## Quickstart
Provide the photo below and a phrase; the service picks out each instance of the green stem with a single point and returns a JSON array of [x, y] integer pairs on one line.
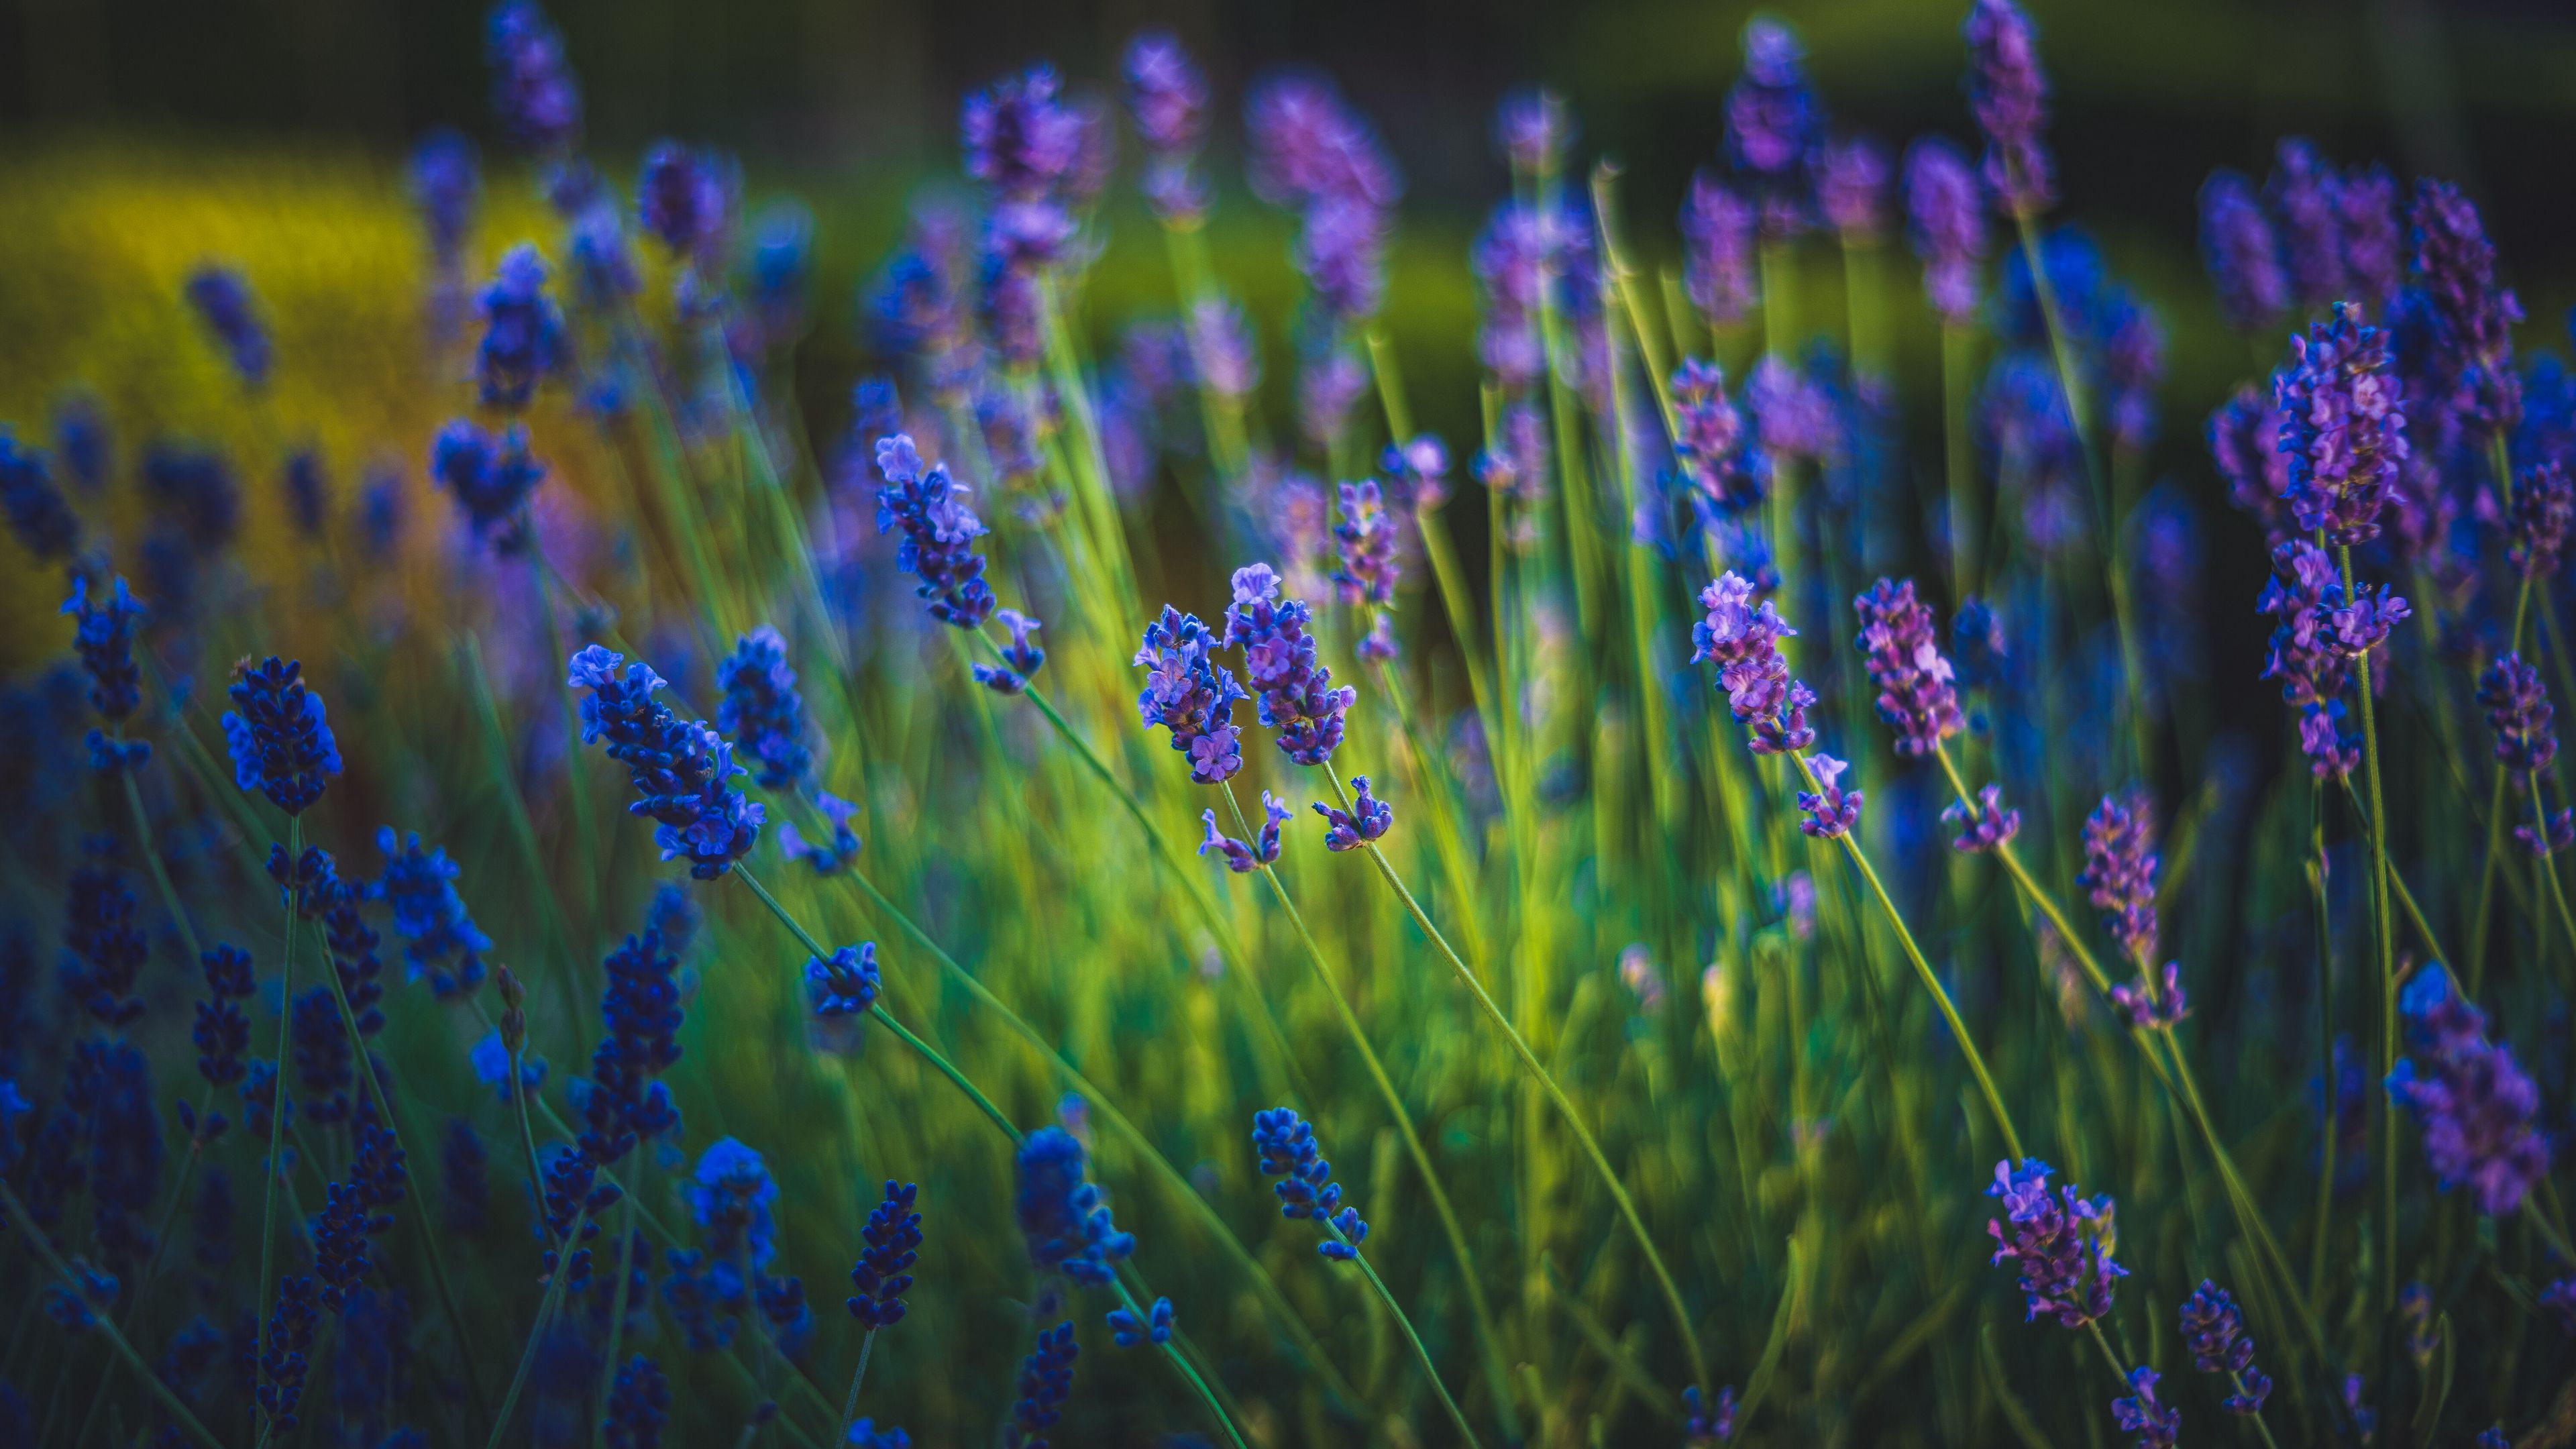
[[616, 1321], [2387, 970], [1413, 1147], [1556, 1094], [545, 1316], [1171, 1351], [1430, 1370], [152, 857], [850, 1406], [177, 1407], [277, 1106]]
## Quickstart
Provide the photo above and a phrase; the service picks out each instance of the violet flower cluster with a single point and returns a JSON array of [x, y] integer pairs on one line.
[[2318, 634], [2060, 1242], [681, 771], [492, 476], [2009, 98], [2343, 426], [1946, 222], [280, 743], [1831, 811], [1306, 1188], [1368, 818], [523, 332], [2241, 253], [1743, 639], [1190, 695], [2474, 1105], [1021, 657], [1917, 693], [1712, 448], [2213, 1332], [1061, 1217], [1168, 97], [1988, 826], [2119, 874], [1717, 225], [2519, 713], [1245, 857], [939, 532], [761, 712]]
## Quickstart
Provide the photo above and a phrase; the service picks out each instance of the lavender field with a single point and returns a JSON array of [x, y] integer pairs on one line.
[[1129, 788]]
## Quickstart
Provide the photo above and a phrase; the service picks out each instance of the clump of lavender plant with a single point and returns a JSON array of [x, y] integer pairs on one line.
[[2473, 1103]]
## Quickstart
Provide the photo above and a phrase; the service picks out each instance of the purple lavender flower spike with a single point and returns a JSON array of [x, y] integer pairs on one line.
[[2316, 636], [1293, 694], [1711, 447], [1772, 118], [1916, 691], [523, 337], [2213, 1331], [2150, 1007], [2245, 442], [1240, 857], [1364, 540], [1792, 414], [1417, 473], [1190, 695], [2544, 508], [1710, 1423], [1987, 826], [682, 772], [844, 983], [1831, 810], [2119, 872], [1745, 643], [2374, 244], [1367, 819], [223, 302], [1168, 96], [2009, 97], [1020, 658], [823, 857], [1021, 141], [492, 476], [1851, 188], [684, 198], [2061, 1243], [939, 533], [1307, 144], [2518, 710], [533, 90], [1222, 346], [2472, 317], [1327, 390], [2560, 1298], [1717, 251], [2157, 1425], [1946, 221], [2243, 257], [1533, 130], [2305, 195], [2343, 426], [761, 712], [2473, 1103], [2561, 836]]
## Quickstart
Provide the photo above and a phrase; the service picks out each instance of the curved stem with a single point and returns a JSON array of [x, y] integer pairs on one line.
[[537, 1334], [1413, 1147], [1556, 1095], [1172, 1352], [1430, 1370]]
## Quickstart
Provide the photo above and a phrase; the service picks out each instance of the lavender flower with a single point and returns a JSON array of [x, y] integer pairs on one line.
[[223, 302], [2544, 508], [1306, 144], [762, 713], [103, 635], [2305, 194], [2060, 1242], [445, 183], [843, 983], [2146, 1006], [1134, 1332], [80, 439], [2242, 255], [1061, 1217], [1831, 811], [2157, 1425], [2119, 874], [106, 947], [1728, 476], [1987, 826], [1743, 638], [1020, 658], [1021, 141], [2343, 426], [2213, 1331], [2315, 639], [523, 337], [1851, 188], [1046, 1381], [1306, 1188], [285, 1360], [1772, 118], [1532, 130], [1946, 221], [1713, 1423], [1166, 93], [1916, 692], [2009, 97], [684, 199], [420, 888], [492, 477], [892, 1234], [1190, 695], [2472, 318], [533, 90], [44, 523], [1364, 539], [939, 533], [1366, 820], [2473, 1104], [222, 1034], [1244, 858], [2518, 710], [1717, 251], [623, 1103], [2374, 245], [280, 743], [2245, 442], [679, 770]]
